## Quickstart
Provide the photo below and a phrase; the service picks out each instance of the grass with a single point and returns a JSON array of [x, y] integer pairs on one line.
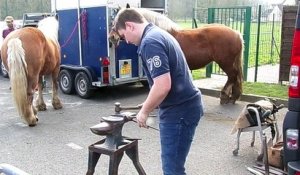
[[265, 89], [198, 74]]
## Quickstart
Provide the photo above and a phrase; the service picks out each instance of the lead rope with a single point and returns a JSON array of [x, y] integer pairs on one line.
[[84, 24], [73, 31]]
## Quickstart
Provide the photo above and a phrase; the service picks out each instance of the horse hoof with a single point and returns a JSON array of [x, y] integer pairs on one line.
[[223, 101], [33, 123], [41, 107], [57, 106], [232, 102]]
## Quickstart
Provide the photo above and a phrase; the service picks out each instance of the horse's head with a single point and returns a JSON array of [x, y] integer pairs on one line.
[[114, 37], [156, 18]]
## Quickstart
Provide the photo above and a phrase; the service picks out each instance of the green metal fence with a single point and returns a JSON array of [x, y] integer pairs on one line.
[[264, 38], [261, 29], [237, 18]]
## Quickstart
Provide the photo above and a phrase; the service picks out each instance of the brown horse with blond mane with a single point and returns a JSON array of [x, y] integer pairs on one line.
[[28, 54], [203, 45]]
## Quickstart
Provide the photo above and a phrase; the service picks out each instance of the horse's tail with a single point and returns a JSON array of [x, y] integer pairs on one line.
[[17, 73], [238, 64]]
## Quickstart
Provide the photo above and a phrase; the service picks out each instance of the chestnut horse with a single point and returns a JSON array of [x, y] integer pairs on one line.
[[201, 46], [28, 54]]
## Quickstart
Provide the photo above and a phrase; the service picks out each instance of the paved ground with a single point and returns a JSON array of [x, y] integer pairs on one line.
[[267, 74], [58, 144]]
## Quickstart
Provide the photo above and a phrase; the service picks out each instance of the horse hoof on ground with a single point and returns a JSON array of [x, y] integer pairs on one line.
[[34, 122], [224, 100], [232, 101], [56, 105], [41, 107]]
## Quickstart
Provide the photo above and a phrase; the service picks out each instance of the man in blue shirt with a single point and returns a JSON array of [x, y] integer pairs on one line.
[[172, 89]]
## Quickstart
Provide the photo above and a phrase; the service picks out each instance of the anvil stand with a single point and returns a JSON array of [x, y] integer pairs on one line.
[[114, 145]]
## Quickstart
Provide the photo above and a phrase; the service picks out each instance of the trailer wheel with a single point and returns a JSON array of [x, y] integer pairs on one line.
[[4, 71], [83, 85], [66, 81]]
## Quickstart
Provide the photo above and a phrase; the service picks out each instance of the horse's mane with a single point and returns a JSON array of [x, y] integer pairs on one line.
[[49, 27], [158, 19]]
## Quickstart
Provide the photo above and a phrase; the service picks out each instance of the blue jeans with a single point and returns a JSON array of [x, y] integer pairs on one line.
[[176, 139]]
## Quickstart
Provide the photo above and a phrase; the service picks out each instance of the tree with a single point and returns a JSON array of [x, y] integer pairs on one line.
[[16, 8]]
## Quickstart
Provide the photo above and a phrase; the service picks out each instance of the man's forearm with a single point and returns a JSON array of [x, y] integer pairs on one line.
[[158, 92]]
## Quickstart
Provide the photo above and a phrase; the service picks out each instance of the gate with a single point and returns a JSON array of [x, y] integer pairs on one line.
[[238, 18], [261, 29]]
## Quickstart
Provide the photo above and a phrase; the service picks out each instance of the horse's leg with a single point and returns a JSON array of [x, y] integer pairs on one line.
[[34, 110], [40, 104], [233, 89], [237, 88], [237, 75], [30, 114], [55, 100], [225, 93], [236, 91]]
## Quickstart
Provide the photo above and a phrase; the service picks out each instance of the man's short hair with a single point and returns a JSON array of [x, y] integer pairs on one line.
[[127, 15], [9, 19]]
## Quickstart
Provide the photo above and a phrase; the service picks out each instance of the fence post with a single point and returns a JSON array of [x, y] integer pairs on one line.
[[194, 16], [273, 40], [210, 19], [246, 37], [257, 43]]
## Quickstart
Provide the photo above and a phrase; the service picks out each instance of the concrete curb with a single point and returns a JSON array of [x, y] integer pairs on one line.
[[244, 97]]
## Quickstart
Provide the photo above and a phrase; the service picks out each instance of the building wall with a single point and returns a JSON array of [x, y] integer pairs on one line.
[[287, 33]]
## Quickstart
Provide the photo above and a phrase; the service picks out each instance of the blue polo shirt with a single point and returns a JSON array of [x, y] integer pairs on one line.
[[160, 54]]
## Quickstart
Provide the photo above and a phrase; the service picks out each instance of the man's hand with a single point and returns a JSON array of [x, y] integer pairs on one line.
[[141, 119]]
